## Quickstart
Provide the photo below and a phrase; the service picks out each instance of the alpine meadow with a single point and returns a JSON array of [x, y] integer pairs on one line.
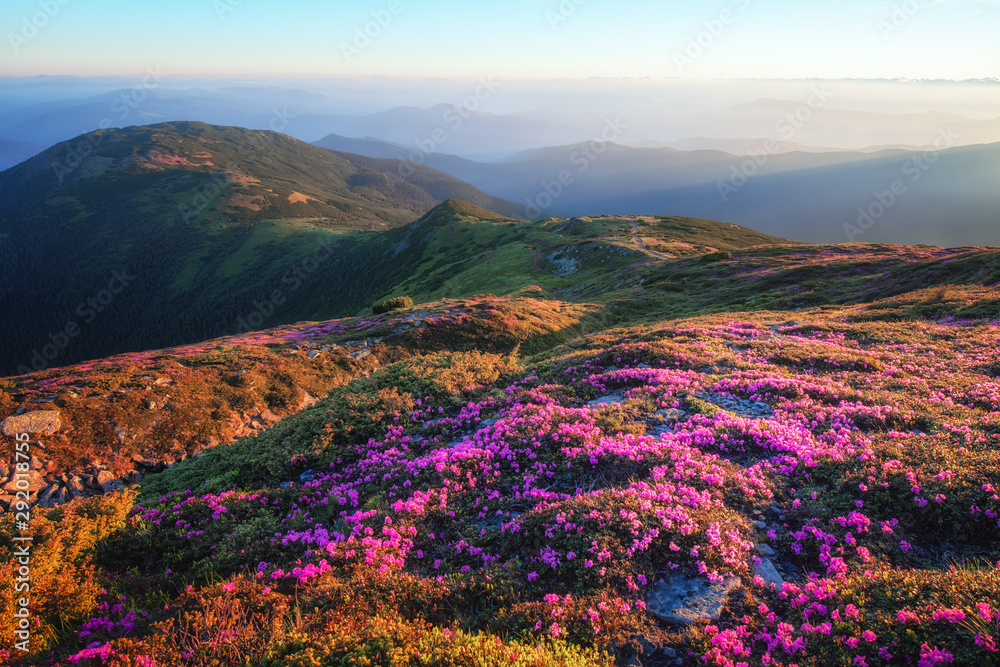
[[558, 333]]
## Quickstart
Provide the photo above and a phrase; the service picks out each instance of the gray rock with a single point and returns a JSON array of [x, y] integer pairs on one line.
[[36, 482], [113, 485], [671, 414], [766, 571], [45, 422], [75, 486], [61, 497], [49, 492], [144, 461], [562, 266], [657, 431], [684, 601], [669, 652], [633, 662], [313, 354], [612, 399], [108, 482], [765, 550], [738, 406]]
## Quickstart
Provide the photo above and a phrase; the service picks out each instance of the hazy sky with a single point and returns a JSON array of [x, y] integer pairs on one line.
[[513, 38]]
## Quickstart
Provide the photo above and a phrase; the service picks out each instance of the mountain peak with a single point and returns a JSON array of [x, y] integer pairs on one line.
[[462, 207], [452, 209]]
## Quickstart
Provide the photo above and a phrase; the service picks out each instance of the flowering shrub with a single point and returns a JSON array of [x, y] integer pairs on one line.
[[64, 585]]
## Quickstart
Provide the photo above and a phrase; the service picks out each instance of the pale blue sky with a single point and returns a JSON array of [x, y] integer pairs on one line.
[[511, 39]]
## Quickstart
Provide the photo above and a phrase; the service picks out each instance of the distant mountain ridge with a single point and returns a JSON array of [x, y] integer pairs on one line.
[[949, 196]]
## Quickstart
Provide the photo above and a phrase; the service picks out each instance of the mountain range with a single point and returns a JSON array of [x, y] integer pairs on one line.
[[947, 195]]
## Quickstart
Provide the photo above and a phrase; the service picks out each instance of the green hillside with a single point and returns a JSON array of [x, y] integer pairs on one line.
[[458, 250], [152, 236]]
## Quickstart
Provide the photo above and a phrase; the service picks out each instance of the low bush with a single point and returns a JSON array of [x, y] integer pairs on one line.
[[394, 303]]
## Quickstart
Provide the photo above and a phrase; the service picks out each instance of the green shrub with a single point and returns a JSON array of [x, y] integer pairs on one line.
[[394, 303], [392, 640], [717, 256]]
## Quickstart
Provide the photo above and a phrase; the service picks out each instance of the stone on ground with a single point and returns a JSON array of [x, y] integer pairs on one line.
[[684, 601], [45, 422]]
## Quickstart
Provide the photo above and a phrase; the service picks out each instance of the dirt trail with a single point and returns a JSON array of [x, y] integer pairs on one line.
[[642, 246]]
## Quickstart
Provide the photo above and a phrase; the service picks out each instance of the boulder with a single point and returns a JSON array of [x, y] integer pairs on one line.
[[48, 496], [36, 482], [45, 422], [612, 399], [738, 406], [75, 486], [683, 600], [144, 461], [765, 549], [108, 482], [113, 485], [765, 570]]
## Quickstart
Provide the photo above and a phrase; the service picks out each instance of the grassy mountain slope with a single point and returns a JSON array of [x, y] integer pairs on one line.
[[456, 250], [513, 479], [151, 236]]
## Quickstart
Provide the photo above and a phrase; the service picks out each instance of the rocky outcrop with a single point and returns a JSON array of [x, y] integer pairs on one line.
[[48, 486], [41, 422]]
